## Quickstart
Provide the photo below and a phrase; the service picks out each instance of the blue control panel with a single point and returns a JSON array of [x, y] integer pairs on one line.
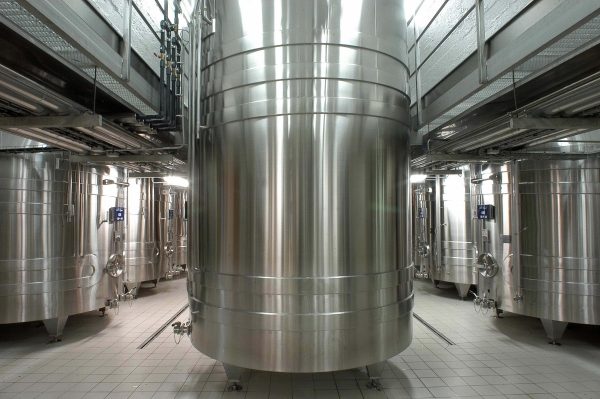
[[485, 212], [421, 213], [117, 214]]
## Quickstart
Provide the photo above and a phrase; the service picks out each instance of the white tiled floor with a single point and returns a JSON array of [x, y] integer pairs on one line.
[[507, 358]]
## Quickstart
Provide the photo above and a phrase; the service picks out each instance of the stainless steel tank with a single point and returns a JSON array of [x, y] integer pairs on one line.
[[165, 224], [141, 247], [453, 247], [423, 216], [554, 275], [62, 255], [303, 192]]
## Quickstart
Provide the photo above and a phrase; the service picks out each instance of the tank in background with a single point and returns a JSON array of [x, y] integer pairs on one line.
[[180, 231], [63, 255], [454, 254], [167, 220], [550, 261], [424, 224], [141, 247]]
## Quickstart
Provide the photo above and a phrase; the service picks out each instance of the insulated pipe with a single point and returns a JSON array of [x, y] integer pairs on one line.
[[110, 139], [193, 122], [50, 138], [172, 100], [164, 28], [129, 141], [31, 98], [204, 16], [555, 136], [565, 102]]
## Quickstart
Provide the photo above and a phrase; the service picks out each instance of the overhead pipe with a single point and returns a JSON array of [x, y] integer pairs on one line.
[[50, 138], [563, 100], [560, 134], [164, 28], [29, 95], [173, 72], [204, 11]]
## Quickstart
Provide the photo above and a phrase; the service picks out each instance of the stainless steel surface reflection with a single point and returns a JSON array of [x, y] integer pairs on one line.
[[304, 257], [58, 238], [141, 249], [558, 274], [454, 251]]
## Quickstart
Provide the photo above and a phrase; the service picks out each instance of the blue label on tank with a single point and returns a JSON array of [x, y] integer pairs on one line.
[[485, 212], [170, 214], [421, 213], [119, 214]]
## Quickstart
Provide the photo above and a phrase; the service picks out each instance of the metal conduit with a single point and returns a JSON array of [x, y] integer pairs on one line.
[[50, 139], [567, 100], [97, 135], [31, 96]]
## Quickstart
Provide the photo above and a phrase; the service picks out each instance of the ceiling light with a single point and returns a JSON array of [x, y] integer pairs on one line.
[[176, 181], [418, 178]]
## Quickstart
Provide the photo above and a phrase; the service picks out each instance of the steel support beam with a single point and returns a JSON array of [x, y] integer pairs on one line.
[[555, 123], [50, 121], [539, 26], [481, 48], [121, 158], [66, 22]]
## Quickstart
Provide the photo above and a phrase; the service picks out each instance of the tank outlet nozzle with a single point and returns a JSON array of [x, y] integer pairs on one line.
[[181, 329], [128, 296], [113, 304], [483, 304]]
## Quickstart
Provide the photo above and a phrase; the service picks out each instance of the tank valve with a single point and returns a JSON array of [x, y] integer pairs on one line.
[[169, 275], [483, 304], [180, 330], [113, 304], [422, 274], [127, 296]]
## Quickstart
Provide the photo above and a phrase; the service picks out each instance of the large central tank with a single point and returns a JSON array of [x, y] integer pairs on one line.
[[302, 179]]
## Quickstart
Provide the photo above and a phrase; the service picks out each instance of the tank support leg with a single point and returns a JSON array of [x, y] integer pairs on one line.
[[55, 327], [136, 291], [234, 375], [103, 310], [463, 289], [374, 372], [554, 330], [155, 283]]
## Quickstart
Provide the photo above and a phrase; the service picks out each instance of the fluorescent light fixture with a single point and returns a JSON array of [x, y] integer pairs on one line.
[[418, 178], [176, 181], [454, 177]]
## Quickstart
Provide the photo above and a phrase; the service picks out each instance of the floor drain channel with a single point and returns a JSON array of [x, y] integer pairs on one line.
[[436, 332], [163, 327]]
